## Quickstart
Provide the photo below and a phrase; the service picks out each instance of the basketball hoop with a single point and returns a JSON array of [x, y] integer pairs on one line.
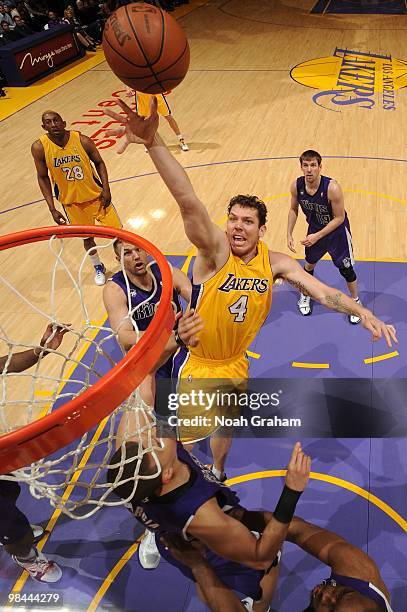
[[41, 437]]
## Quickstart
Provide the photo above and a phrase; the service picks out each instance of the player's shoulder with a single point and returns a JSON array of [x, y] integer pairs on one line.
[[333, 186], [280, 263], [37, 146]]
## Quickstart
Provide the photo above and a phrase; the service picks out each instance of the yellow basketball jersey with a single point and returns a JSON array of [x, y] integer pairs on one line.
[[233, 305], [71, 170], [143, 104]]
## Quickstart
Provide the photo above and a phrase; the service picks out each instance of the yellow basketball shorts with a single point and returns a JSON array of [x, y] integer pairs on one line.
[[143, 105], [208, 395], [92, 212]]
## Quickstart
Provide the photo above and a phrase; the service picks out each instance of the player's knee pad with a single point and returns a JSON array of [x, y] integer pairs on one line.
[[348, 274]]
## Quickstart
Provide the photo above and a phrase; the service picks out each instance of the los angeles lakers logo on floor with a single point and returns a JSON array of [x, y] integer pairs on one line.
[[353, 78]]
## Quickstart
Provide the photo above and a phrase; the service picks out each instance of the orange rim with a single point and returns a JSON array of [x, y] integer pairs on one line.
[[67, 423]]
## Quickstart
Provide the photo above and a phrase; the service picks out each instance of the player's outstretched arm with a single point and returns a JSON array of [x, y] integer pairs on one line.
[[37, 151], [50, 341], [230, 538], [292, 217], [330, 548], [199, 228], [218, 597], [289, 269]]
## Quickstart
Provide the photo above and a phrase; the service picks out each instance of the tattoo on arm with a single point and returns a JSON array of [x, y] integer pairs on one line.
[[335, 302], [298, 285]]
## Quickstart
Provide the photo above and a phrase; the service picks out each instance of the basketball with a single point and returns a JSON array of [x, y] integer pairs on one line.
[[146, 48]]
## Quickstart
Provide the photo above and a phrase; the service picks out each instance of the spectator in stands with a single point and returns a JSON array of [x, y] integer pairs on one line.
[[34, 16], [21, 27], [90, 17], [8, 35], [83, 37], [6, 16], [54, 21]]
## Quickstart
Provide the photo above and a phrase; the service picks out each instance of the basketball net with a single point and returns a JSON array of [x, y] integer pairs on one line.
[[73, 478]]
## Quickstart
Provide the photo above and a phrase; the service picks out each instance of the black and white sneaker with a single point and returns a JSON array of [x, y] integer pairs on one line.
[[304, 305]]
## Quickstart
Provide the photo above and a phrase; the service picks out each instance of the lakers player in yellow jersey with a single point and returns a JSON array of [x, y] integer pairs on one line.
[[143, 102], [233, 272], [70, 159]]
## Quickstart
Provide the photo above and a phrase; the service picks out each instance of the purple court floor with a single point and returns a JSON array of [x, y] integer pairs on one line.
[[98, 556]]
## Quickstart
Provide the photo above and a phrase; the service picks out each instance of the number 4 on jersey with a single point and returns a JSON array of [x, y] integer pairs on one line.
[[239, 308]]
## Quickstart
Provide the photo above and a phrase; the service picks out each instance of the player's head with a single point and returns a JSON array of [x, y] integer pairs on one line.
[[311, 164], [247, 216], [135, 259], [165, 453], [53, 123], [326, 597]]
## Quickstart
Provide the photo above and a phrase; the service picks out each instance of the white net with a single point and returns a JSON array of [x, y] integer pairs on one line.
[[62, 294]]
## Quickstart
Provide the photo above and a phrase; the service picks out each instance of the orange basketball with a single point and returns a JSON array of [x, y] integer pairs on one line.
[[146, 48]]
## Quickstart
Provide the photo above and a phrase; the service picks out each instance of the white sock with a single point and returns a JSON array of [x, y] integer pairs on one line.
[[216, 472], [95, 260], [357, 300], [180, 137]]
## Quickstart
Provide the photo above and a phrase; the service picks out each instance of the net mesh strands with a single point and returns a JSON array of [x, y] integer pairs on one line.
[[74, 477]]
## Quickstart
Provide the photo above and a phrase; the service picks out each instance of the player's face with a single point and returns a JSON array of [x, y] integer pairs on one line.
[[134, 259], [243, 230], [326, 597], [54, 124], [311, 170], [165, 447]]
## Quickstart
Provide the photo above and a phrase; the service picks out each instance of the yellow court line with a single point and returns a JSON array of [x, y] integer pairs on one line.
[[340, 482], [381, 357], [112, 575], [254, 355], [42, 393], [299, 364]]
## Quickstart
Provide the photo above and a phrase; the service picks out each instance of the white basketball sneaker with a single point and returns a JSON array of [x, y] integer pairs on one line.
[[183, 145], [148, 554], [355, 319], [100, 275], [304, 305], [40, 568]]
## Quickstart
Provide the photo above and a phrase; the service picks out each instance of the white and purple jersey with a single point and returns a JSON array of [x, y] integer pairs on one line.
[[143, 305], [174, 511], [364, 588]]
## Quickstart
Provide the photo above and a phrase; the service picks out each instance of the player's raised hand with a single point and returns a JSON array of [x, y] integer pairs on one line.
[[190, 324], [298, 469], [134, 127], [379, 329]]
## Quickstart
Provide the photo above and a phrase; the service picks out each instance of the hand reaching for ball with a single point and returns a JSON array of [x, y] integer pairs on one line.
[[135, 128]]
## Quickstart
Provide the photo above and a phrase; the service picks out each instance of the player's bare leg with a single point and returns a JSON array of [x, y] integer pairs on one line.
[[175, 128], [220, 443]]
